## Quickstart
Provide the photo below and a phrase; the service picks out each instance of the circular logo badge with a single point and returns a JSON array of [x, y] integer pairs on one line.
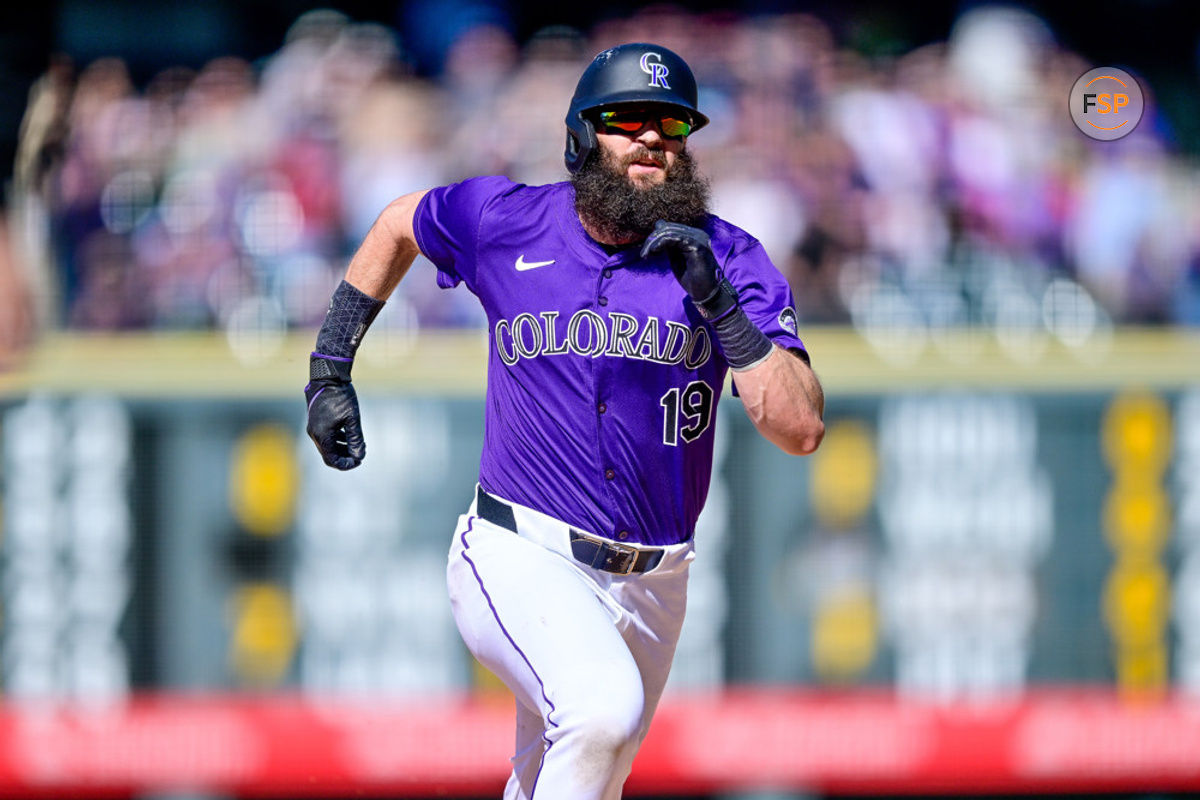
[[1106, 103]]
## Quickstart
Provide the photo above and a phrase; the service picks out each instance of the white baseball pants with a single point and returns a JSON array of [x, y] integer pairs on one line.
[[585, 652]]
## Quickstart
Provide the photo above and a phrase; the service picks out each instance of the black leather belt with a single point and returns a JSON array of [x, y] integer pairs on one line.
[[597, 553]]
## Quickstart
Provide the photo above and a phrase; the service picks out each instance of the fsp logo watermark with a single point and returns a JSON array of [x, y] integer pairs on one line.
[[1106, 103], [657, 71]]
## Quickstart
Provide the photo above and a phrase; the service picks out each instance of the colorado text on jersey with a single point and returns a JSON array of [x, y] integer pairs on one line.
[[587, 333]]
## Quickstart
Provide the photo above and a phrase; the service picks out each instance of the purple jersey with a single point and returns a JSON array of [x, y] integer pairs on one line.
[[603, 379]]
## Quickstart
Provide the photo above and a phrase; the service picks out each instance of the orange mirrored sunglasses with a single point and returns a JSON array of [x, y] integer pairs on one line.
[[633, 120]]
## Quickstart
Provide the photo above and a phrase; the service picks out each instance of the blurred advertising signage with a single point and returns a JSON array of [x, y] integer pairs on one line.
[[1078, 740]]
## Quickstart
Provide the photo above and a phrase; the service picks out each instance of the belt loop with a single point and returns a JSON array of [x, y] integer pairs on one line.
[[599, 558]]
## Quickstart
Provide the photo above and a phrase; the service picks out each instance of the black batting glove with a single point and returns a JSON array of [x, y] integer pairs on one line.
[[334, 424], [690, 254]]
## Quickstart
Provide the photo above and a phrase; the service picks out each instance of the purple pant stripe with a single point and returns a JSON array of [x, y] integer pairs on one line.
[[520, 652]]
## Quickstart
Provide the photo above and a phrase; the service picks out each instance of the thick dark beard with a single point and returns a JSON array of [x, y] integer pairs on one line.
[[620, 210]]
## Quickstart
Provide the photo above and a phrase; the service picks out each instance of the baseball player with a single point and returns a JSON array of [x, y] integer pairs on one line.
[[616, 305]]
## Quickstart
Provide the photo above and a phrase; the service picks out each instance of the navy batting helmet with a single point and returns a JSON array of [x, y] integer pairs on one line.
[[628, 74]]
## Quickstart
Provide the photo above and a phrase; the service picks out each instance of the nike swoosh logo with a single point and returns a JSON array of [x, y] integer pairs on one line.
[[523, 265]]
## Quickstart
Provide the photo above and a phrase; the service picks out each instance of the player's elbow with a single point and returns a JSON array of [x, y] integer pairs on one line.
[[797, 435], [804, 438], [397, 218]]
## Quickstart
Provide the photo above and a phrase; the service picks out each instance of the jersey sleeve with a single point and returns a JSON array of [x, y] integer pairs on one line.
[[447, 223]]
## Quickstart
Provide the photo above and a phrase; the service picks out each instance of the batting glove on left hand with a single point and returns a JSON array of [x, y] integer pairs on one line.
[[690, 254], [334, 424]]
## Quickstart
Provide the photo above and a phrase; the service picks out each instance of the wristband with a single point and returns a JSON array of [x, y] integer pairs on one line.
[[322, 367], [744, 344], [722, 300], [350, 313]]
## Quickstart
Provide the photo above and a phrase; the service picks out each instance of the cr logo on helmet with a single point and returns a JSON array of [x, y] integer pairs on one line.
[[657, 71]]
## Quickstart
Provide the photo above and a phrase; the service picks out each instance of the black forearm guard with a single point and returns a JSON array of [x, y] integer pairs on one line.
[[744, 344], [350, 313]]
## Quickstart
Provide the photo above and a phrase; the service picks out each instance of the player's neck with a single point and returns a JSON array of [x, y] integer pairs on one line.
[[608, 240]]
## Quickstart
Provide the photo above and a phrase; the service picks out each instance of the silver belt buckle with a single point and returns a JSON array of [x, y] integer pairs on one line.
[[631, 553]]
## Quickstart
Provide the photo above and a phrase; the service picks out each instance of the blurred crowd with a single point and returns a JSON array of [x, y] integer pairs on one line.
[[946, 186]]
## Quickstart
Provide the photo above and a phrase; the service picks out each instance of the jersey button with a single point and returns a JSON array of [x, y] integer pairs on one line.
[[603, 301], [602, 408], [610, 473], [623, 535], [608, 273]]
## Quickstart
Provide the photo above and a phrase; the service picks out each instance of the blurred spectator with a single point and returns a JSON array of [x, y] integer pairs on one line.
[[29, 135], [936, 186], [16, 303]]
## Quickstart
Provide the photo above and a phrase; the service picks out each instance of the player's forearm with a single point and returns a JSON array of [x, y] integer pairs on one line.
[[387, 251], [784, 400]]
